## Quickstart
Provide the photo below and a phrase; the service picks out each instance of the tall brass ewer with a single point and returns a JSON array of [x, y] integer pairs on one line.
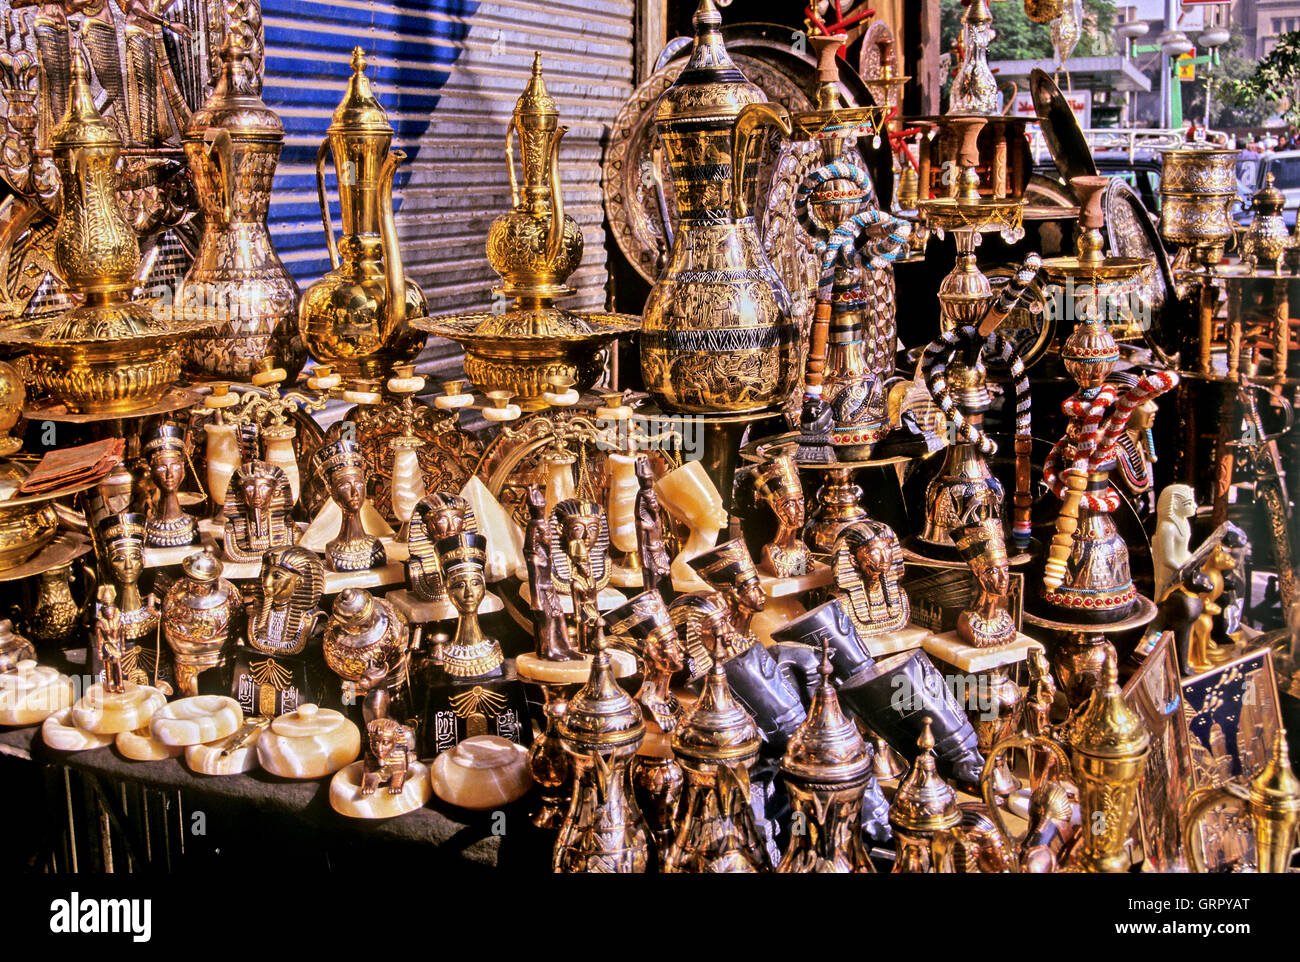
[[233, 144], [1108, 750], [356, 317], [110, 354], [717, 334]]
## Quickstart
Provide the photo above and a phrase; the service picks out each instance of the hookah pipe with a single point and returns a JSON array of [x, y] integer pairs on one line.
[[1098, 433], [985, 337], [838, 246]]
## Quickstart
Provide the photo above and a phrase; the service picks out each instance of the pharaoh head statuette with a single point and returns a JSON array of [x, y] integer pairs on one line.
[[343, 468], [257, 508], [168, 526], [867, 563], [288, 593], [776, 483]]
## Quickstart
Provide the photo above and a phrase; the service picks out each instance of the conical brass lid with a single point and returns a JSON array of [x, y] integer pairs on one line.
[[83, 125], [235, 104], [710, 86], [1276, 786], [535, 104], [601, 716], [924, 802], [1107, 727], [719, 729], [827, 747], [359, 111]]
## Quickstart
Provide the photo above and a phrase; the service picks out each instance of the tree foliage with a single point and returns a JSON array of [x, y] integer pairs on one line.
[[1019, 38], [1272, 84]]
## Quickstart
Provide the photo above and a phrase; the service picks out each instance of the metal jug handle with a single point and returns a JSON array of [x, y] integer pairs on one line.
[[751, 116], [987, 792], [394, 274], [330, 244], [510, 162], [555, 236], [221, 152], [1198, 806]]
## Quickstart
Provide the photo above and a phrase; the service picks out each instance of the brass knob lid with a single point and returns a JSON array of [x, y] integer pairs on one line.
[[83, 125], [719, 729], [601, 716], [1269, 201], [827, 748], [359, 112], [535, 105], [924, 802], [1107, 727]]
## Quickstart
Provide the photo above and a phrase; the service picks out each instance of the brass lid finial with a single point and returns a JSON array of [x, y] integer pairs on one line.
[[359, 112], [83, 125]]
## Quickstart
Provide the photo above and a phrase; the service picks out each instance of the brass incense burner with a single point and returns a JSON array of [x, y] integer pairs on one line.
[[534, 247], [357, 316]]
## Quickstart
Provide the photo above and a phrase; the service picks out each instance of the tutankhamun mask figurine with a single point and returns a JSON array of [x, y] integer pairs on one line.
[[729, 570], [776, 482], [286, 602], [714, 829], [866, 565], [200, 613], [356, 317], [603, 829], [827, 771], [344, 471], [436, 516], [645, 625], [471, 654], [692, 498], [580, 559], [258, 505], [168, 526], [365, 643], [550, 629], [123, 538]]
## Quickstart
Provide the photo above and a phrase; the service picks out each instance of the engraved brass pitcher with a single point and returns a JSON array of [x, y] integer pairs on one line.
[[717, 334], [356, 317], [233, 144]]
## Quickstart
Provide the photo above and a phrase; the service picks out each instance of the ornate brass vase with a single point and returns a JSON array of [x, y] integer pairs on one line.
[[233, 143], [1198, 185], [356, 317], [199, 616], [717, 333]]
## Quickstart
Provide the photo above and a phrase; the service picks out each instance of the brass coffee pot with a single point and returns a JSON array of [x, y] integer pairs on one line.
[[233, 143], [356, 317], [1272, 806], [717, 333]]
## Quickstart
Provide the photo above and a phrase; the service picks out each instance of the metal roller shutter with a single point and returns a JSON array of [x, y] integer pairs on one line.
[[448, 73]]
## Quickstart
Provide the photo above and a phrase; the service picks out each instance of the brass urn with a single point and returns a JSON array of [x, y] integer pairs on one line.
[[356, 318], [1198, 186], [528, 344], [233, 144], [717, 333], [1266, 239], [199, 618]]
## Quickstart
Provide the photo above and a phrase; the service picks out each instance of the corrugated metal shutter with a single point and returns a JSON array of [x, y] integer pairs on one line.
[[448, 73]]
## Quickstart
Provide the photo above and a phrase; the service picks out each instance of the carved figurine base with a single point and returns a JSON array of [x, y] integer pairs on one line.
[[951, 650], [102, 712], [421, 612], [192, 721], [540, 671], [892, 642], [346, 797], [31, 693], [482, 773], [309, 743], [59, 733], [141, 746]]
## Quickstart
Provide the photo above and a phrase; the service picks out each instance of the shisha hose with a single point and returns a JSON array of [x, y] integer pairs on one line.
[[1013, 293], [934, 366], [1098, 432], [841, 245]]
